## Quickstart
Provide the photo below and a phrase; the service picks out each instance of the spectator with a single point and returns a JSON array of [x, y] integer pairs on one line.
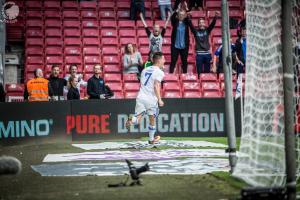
[[132, 60], [203, 54], [38, 88], [155, 38], [179, 39], [57, 84], [73, 92], [2, 93], [218, 59], [164, 7], [73, 73], [136, 6], [179, 3], [240, 56], [241, 24], [96, 87]]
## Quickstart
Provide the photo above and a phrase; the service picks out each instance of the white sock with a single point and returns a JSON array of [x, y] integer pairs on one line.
[[134, 120], [152, 131]]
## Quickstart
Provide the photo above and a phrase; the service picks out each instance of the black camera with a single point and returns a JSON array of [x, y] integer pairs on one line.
[[135, 172]]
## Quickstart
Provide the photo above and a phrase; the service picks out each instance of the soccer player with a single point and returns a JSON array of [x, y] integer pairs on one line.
[[149, 98]]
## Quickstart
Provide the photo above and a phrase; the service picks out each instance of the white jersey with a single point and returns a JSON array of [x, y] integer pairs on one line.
[[148, 77]]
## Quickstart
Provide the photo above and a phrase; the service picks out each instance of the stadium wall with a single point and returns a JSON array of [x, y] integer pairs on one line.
[[66, 121]]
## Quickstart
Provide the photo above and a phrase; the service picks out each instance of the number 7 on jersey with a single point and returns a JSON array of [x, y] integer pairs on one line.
[[147, 75]]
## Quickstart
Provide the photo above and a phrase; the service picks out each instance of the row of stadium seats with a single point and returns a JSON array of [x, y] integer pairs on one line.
[[175, 86]]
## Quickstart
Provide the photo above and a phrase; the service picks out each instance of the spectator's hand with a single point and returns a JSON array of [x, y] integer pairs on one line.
[[217, 14], [161, 103], [186, 8], [102, 96], [240, 62]]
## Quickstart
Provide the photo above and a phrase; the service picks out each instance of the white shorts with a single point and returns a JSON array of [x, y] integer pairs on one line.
[[146, 107]]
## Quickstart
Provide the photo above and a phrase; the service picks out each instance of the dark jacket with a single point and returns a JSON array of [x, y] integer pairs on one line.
[[239, 50], [73, 93], [96, 87], [57, 85], [175, 22], [2, 93], [202, 36]]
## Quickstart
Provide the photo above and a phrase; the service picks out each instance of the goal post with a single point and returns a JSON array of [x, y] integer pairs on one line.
[[270, 109]]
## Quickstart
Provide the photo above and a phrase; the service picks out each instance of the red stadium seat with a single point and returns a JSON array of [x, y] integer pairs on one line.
[[110, 42], [53, 23], [127, 33], [34, 23], [53, 32], [106, 5], [171, 78], [199, 14], [107, 15], [142, 33], [90, 32], [87, 76], [90, 24], [14, 88], [88, 5], [89, 14], [73, 60], [131, 86], [34, 42], [71, 24], [53, 42], [91, 41], [72, 50], [144, 42], [109, 33], [116, 87], [107, 50], [188, 77], [34, 14], [111, 60], [191, 94], [171, 86], [124, 41], [72, 32], [123, 24], [34, 51], [54, 60], [210, 86], [52, 5], [213, 5], [212, 94], [33, 5], [123, 14], [32, 68], [114, 68], [92, 60], [113, 78], [130, 78], [140, 25], [70, 5], [108, 24], [71, 14], [89, 68], [53, 50], [209, 77], [123, 5], [49, 14], [91, 50], [72, 41], [172, 94], [131, 95], [35, 33], [234, 4], [193, 86]]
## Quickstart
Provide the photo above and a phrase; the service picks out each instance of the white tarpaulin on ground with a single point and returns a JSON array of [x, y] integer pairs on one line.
[[135, 155], [182, 166], [144, 144]]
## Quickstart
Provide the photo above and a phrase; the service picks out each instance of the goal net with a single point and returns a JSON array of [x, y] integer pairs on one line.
[[261, 157]]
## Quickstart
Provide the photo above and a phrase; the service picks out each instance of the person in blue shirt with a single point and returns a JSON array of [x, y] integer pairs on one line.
[[218, 59], [240, 47]]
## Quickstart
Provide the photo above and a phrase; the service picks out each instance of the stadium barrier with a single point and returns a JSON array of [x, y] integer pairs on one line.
[[66, 121]]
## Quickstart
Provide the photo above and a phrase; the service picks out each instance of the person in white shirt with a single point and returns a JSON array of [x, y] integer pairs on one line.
[[149, 97], [73, 73]]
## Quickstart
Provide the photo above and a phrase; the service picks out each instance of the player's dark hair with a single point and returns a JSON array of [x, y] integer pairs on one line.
[[157, 56]]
